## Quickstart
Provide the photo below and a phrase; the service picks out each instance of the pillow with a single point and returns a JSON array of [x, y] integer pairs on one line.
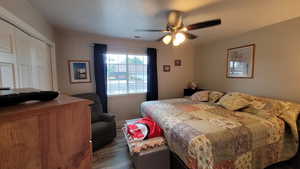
[[214, 96], [234, 101], [201, 96]]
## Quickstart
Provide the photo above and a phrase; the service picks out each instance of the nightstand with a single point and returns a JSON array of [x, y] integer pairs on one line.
[[190, 92]]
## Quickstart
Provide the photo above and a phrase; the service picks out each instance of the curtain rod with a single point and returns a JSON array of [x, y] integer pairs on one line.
[[118, 47]]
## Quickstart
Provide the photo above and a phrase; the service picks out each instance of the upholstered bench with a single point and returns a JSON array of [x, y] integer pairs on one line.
[[148, 154]]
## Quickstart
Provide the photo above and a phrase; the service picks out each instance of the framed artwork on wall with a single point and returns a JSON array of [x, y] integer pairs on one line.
[[177, 62], [166, 68], [240, 62], [79, 71]]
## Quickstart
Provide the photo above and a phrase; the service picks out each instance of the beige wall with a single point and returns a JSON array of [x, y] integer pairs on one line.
[[24, 11], [76, 45], [277, 62]]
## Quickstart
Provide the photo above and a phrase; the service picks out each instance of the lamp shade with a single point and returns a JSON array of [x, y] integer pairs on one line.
[[167, 39], [179, 38]]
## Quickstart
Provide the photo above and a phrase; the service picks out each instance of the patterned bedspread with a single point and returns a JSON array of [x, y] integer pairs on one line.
[[207, 136]]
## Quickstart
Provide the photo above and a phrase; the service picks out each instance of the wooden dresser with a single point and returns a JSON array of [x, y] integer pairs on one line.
[[46, 135]]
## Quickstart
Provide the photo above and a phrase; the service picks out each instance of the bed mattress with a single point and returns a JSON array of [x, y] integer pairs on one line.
[[207, 136]]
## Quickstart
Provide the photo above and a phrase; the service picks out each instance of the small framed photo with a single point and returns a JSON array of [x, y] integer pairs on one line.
[[166, 68], [240, 62], [79, 71], [178, 62]]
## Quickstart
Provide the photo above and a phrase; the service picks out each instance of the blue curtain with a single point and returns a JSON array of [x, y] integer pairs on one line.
[[152, 86], [101, 73]]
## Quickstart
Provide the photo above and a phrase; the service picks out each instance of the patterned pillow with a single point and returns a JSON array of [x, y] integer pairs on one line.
[[234, 101], [214, 96], [201, 96]]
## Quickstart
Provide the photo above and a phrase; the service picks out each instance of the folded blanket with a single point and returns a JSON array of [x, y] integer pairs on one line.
[[144, 128]]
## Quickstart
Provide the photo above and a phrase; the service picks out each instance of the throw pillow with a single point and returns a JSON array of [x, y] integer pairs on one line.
[[234, 101], [214, 96], [201, 96]]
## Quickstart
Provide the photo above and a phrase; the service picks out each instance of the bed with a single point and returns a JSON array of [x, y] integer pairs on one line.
[[207, 136]]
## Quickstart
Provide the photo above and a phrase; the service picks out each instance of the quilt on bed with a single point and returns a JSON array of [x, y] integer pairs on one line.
[[207, 136]]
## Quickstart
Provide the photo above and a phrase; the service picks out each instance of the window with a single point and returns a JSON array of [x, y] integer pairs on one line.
[[126, 73]]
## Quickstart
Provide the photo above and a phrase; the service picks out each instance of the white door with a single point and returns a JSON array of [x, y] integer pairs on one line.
[[6, 39], [41, 65], [46, 78], [24, 59], [8, 76]]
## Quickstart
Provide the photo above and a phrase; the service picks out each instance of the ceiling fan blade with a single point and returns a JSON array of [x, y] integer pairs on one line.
[[151, 30], [189, 35], [205, 24]]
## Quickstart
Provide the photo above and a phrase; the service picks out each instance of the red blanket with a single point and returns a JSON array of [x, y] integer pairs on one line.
[[144, 128]]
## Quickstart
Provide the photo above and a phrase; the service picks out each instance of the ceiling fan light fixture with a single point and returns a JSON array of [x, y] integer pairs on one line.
[[176, 32], [175, 43], [167, 39], [179, 39], [184, 29]]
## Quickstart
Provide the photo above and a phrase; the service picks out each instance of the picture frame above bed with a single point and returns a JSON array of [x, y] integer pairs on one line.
[[240, 62]]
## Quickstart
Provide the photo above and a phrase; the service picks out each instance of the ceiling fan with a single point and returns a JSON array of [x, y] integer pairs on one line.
[[176, 32]]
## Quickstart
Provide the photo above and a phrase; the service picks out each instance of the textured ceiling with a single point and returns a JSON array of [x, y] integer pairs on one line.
[[120, 18]]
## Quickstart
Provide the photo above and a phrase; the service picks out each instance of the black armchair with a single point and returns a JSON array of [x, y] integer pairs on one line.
[[103, 124]]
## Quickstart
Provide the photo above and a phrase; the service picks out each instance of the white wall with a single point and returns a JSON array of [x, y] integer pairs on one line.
[[276, 67], [76, 45], [26, 12]]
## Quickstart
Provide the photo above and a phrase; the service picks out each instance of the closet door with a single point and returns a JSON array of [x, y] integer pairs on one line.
[[24, 59], [41, 65], [45, 67], [8, 75], [25, 62], [7, 37]]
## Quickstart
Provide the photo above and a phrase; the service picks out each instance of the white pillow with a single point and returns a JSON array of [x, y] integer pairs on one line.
[[201, 96]]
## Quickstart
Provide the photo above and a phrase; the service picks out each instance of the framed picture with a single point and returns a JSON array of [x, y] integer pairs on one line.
[[79, 71], [240, 62], [166, 68], [178, 62]]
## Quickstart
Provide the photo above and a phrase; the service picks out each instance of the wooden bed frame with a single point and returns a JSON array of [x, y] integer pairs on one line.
[[294, 163]]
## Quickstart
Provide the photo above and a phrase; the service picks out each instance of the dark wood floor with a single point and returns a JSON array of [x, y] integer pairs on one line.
[[115, 156]]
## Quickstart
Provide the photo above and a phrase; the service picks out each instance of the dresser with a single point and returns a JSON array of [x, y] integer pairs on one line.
[[46, 135]]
